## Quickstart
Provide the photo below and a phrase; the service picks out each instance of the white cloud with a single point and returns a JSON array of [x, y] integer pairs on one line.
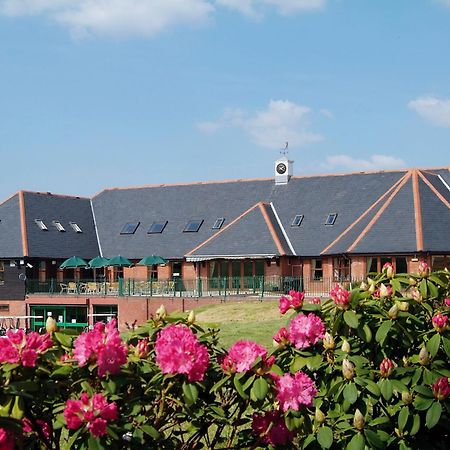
[[114, 17], [255, 8], [374, 162], [433, 109], [281, 121], [327, 113]]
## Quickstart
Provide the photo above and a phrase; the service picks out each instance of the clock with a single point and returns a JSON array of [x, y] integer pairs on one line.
[[281, 168]]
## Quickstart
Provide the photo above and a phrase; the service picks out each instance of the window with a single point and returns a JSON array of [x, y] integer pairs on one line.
[[157, 227], [298, 219], [400, 265], [41, 224], [193, 226], [130, 228], [341, 269], [58, 226], [440, 262], [316, 269], [331, 219], [75, 227], [2, 272], [218, 223]]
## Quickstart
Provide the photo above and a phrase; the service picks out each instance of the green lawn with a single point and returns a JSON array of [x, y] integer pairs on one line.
[[249, 319]]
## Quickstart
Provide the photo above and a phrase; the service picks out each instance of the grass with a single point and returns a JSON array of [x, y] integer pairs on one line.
[[255, 320]]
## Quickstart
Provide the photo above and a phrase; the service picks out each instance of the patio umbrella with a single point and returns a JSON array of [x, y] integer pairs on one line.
[[98, 262], [119, 261], [152, 261], [73, 262]]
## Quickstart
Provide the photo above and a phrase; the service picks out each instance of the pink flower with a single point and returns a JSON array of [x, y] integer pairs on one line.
[[440, 322], [142, 349], [282, 337], [179, 351], [271, 428], [386, 367], [423, 269], [45, 427], [294, 391], [388, 269], [242, 356], [102, 345], [447, 302], [314, 301], [441, 389], [340, 296], [292, 301], [18, 347], [6, 439], [305, 331], [383, 291], [93, 412]]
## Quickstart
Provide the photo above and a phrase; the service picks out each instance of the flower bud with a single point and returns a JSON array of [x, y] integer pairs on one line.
[[423, 269], [393, 312], [371, 289], [405, 362], [407, 397], [191, 318], [403, 306], [364, 286], [358, 420], [161, 312], [441, 389], [142, 349], [386, 367], [328, 341], [412, 281], [424, 357], [319, 416], [345, 346], [447, 302], [388, 269], [384, 291], [440, 322], [416, 295], [330, 358], [348, 369], [50, 325], [281, 339]]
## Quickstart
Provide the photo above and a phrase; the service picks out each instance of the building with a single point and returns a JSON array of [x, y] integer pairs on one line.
[[235, 237]]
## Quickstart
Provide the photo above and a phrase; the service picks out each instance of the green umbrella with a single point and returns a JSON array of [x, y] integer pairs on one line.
[[152, 261], [98, 262], [119, 261], [73, 263]]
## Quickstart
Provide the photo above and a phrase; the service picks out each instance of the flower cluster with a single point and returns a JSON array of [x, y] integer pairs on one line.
[[383, 291], [441, 389], [27, 427], [294, 391], [18, 347], [102, 345], [179, 351], [447, 302], [306, 330], [292, 301], [271, 428], [94, 412], [340, 296], [243, 355], [7, 441], [440, 322]]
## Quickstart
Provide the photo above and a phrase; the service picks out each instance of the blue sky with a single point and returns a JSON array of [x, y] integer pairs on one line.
[[105, 93]]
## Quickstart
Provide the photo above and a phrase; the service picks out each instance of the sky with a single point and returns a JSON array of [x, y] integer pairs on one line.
[[97, 94]]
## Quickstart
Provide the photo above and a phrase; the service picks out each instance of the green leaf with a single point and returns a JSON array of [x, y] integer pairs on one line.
[[151, 431], [63, 371], [423, 288], [239, 388], [403, 418], [383, 331], [325, 437], [421, 404], [433, 415], [298, 363], [94, 444], [314, 362], [357, 442], [416, 425], [367, 333], [373, 439], [386, 388], [351, 393], [64, 339], [351, 319], [434, 291], [219, 384], [190, 393], [446, 345], [259, 389], [433, 344], [372, 387]]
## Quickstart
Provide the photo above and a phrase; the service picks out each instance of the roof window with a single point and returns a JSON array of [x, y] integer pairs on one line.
[[218, 223], [193, 226], [41, 224], [157, 227], [130, 228], [298, 219], [331, 219], [75, 227], [57, 224]]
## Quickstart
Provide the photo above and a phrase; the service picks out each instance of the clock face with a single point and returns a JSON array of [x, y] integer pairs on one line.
[[281, 168]]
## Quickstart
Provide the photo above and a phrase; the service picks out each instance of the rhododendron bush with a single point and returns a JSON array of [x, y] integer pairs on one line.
[[367, 367]]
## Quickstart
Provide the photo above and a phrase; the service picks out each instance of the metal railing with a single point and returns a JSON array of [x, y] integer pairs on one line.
[[200, 287]]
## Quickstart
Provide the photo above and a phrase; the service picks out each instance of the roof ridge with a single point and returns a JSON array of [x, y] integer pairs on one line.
[[273, 233], [417, 210], [404, 179], [50, 194], [23, 223], [434, 190]]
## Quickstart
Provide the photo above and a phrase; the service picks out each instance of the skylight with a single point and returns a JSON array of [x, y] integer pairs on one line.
[[331, 219], [157, 227], [58, 225], [75, 227], [218, 223], [41, 224], [130, 228], [193, 226], [298, 219]]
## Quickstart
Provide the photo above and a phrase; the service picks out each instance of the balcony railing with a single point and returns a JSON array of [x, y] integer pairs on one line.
[[200, 287]]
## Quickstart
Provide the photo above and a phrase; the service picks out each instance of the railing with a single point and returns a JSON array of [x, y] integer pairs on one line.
[[201, 287]]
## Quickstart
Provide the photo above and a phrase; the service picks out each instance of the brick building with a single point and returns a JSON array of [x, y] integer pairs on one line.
[[236, 237]]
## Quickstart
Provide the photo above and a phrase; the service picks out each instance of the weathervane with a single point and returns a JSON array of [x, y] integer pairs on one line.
[[285, 150]]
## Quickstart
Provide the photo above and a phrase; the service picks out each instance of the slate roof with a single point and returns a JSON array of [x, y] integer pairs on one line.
[[10, 230]]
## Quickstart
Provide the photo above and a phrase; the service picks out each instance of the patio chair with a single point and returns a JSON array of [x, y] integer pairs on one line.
[[92, 288], [71, 287], [63, 288]]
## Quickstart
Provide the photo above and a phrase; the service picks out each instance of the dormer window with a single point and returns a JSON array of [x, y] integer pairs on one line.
[[193, 226], [75, 227], [218, 223], [41, 224], [298, 219], [130, 228], [58, 226], [157, 227], [331, 219]]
